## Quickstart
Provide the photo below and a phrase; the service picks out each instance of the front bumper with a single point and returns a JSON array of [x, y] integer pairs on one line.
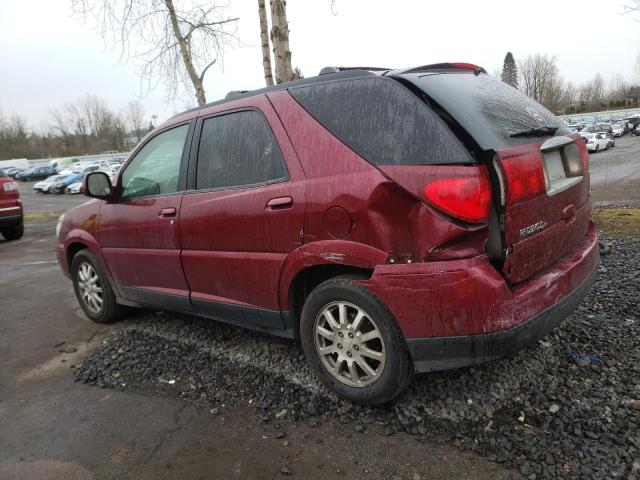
[[461, 312]]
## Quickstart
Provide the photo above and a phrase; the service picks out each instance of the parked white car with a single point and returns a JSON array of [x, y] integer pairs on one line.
[[74, 188], [617, 130], [596, 141], [45, 185]]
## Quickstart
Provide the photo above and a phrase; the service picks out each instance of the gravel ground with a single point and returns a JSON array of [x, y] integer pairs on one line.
[[543, 412]]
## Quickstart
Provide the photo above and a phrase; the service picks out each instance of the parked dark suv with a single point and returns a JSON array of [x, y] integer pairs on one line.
[[393, 221]]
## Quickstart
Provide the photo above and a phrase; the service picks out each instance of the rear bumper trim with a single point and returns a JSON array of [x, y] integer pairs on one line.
[[10, 219], [444, 353]]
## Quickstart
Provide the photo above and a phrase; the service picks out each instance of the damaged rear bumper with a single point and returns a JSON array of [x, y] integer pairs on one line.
[[443, 353], [463, 312]]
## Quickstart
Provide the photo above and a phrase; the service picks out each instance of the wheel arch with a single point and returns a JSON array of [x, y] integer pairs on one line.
[[311, 264]]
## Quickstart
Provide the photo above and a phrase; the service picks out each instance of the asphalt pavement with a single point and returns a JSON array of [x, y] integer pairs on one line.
[[52, 427]]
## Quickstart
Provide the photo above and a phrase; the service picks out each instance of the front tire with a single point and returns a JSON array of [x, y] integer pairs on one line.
[[354, 344], [93, 289], [15, 232]]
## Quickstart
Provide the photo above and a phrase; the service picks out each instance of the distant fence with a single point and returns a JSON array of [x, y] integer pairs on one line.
[[77, 158], [603, 116]]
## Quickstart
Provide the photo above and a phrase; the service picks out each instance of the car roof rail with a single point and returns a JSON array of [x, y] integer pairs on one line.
[[235, 93], [327, 70]]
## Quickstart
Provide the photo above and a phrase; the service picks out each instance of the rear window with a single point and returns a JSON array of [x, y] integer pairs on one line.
[[490, 110], [382, 121]]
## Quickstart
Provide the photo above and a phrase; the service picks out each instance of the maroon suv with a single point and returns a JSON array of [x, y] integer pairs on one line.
[[395, 221], [11, 222]]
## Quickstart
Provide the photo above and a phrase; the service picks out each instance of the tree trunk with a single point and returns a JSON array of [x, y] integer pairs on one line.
[[264, 37], [280, 40], [196, 80]]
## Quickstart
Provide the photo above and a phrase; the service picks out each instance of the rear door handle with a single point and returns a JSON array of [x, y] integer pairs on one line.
[[280, 203], [167, 212]]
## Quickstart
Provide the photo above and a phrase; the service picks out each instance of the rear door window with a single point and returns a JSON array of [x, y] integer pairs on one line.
[[382, 121], [238, 149]]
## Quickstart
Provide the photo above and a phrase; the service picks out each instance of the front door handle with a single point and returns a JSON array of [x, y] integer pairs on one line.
[[167, 212], [280, 203]]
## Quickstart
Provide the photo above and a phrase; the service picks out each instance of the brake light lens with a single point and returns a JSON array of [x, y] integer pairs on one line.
[[584, 154], [468, 66], [467, 198], [10, 187], [524, 177]]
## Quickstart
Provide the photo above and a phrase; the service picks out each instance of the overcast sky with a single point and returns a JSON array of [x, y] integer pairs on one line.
[[47, 57]]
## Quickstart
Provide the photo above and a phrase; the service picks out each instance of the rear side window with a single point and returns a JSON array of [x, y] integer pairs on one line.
[[382, 121], [238, 149]]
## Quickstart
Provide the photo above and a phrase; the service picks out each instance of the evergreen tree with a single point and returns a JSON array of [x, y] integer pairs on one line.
[[510, 70]]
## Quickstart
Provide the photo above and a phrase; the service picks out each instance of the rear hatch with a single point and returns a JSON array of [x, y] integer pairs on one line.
[[538, 170]]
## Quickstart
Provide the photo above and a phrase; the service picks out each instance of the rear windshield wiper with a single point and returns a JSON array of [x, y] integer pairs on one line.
[[535, 132]]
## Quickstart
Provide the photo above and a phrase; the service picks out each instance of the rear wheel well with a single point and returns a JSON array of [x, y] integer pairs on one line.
[[309, 278], [72, 250]]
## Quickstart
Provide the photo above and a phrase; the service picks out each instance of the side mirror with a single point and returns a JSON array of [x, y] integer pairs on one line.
[[97, 185]]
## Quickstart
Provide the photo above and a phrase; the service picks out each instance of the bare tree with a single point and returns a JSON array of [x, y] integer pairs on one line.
[[632, 8], [554, 89], [618, 87], [569, 97], [135, 115], [170, 44], [264, 38], [539, 73], [597, 91], [280, 40]]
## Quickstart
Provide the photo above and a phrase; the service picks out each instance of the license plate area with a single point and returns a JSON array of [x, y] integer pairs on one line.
[[560, 171]]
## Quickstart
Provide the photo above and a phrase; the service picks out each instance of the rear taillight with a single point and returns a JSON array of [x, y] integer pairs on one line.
[[524, 177], [467, 198], [10, 187], [584, 154]]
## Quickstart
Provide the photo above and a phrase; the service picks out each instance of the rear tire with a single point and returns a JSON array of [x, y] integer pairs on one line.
[[93, 289], [15, 232], [366, 359]]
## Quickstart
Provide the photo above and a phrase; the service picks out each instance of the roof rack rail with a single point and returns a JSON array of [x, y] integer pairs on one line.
[[327, 70], [235, 93]]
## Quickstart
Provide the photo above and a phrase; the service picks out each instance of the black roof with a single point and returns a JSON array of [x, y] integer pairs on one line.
[[330, 74], [342, 75]]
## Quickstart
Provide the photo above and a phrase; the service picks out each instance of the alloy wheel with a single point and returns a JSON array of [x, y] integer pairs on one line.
[[349, 344], [90, 287]]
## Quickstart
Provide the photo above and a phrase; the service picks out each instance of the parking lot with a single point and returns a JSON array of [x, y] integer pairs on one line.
[[170, 396]]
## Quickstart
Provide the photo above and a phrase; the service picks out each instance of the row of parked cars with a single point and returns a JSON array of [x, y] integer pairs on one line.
[[602, 135], [67, 180]]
